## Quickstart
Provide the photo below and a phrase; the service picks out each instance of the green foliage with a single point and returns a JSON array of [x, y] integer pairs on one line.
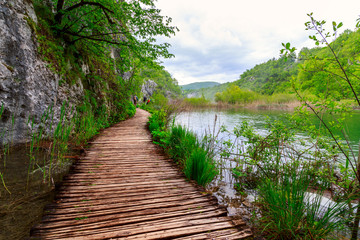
[[235, 95], [162, 78], [270, 77], [184, 148], [197, 101], [200, 167], [159, 101], [182, 143], [288, 212], [157, 121], [128, 25]]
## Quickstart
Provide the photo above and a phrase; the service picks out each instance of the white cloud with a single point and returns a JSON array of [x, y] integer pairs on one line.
[[219, 40]]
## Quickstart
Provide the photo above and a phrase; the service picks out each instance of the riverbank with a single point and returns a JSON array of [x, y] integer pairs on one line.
[[188, 106]]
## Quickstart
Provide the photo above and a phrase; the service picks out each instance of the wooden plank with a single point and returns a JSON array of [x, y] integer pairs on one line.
[[125, 198], [113, 194], [160, 213], [121, 192], [136, 222], [168, 232], [124, 209], [106, 205], [227, 234]]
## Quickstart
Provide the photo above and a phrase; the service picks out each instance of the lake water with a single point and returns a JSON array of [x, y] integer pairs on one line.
[[203, 122], [27, 190]]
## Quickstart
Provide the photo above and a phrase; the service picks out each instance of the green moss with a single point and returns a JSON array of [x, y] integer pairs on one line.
[[31, 23]]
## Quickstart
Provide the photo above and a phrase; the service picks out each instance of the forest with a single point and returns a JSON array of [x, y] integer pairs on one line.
[[310, 71]]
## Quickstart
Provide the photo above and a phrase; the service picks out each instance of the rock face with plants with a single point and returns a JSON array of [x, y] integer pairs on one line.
[[62, 59], [27, 86]]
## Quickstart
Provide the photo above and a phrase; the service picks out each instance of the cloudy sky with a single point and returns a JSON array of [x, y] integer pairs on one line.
[[218, 40]]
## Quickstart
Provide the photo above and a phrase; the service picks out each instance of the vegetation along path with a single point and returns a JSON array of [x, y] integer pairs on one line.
[[126, 188]]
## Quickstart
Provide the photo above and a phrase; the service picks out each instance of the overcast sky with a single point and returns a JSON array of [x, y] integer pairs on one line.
[[218, 40]]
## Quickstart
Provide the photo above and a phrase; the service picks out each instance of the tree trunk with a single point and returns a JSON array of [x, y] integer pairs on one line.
[[59, 7]]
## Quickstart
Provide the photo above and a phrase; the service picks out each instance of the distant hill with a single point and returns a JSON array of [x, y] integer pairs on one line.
[[199, 85], [208, 93], [278, 75]]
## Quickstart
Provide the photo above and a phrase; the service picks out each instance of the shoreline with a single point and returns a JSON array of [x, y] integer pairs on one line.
[[255, 106], [291, 106]]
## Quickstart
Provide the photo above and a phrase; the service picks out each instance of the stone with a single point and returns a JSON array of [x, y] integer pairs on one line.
[[148, 88]]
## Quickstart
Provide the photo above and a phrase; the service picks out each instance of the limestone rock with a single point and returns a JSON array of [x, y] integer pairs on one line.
[[148, 88], [27, 87]]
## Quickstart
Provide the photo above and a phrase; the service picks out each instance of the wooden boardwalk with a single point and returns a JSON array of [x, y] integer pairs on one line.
[[125, 188]]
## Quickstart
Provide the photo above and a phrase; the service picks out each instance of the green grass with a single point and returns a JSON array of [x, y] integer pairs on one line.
[[181, 144], [287, 212], [184, 148], [200, 167]]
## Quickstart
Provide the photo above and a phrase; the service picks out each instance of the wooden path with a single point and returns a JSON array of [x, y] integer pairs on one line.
[[126, 189]]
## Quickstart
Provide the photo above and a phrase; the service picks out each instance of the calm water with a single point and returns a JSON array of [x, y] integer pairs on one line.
[[202, 122], [28, 191]]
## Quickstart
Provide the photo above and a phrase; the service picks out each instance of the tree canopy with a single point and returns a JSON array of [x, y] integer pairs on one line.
[[130, 25]]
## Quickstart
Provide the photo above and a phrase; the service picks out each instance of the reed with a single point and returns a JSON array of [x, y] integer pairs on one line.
[[182, 143], [287, 211], [200, 167]]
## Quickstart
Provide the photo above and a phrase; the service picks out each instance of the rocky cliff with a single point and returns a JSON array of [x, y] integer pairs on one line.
[[27, 87]]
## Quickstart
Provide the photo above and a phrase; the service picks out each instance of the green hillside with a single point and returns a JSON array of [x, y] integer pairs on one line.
[[199, 85], [311, 71]]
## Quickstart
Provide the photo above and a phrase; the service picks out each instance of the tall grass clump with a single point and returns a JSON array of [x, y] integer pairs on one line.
[[181, 143], [288, 212], [192, 156], [200, 167], [184, 148]]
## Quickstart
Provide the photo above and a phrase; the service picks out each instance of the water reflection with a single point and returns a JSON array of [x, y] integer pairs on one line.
[[210, 121], [29, 189]]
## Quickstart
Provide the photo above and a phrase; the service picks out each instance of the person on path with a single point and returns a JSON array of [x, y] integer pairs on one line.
[[135, 100]]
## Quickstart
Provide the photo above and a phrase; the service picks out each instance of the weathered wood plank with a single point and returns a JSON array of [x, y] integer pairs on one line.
[[137, 222]]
